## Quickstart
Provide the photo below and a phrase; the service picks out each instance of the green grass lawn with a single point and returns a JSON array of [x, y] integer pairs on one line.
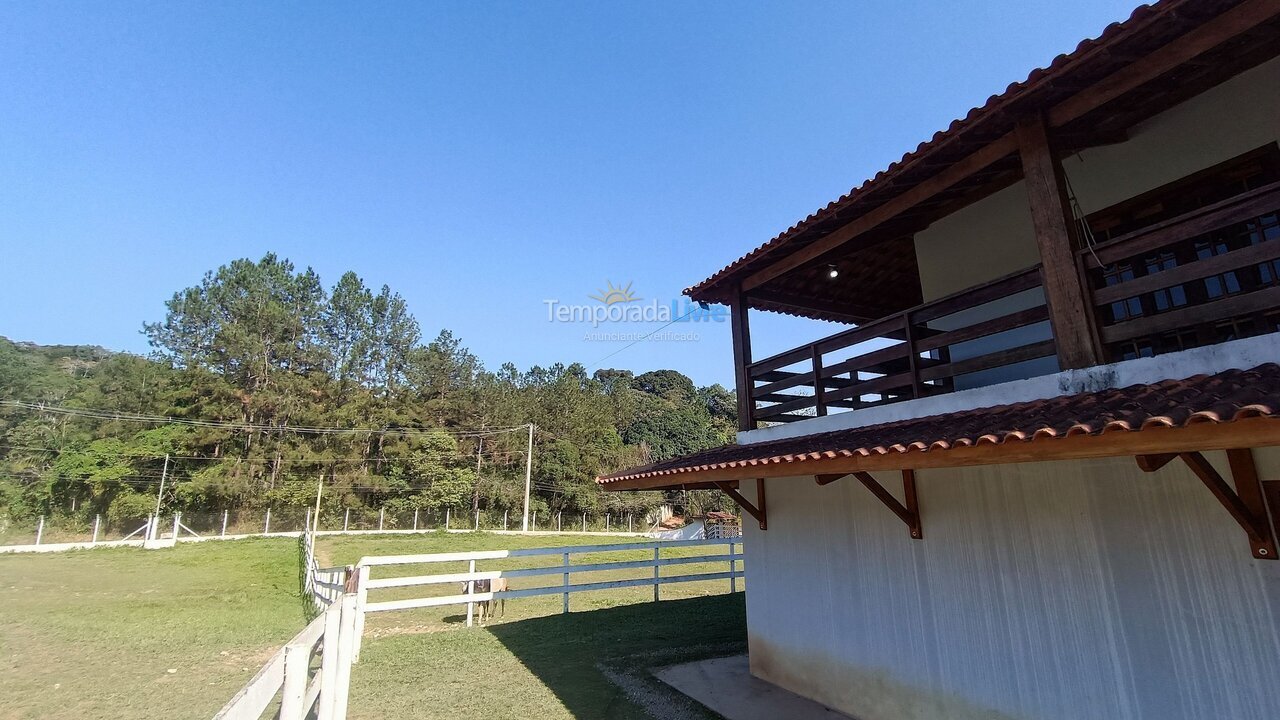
[[589, 665], [95, 633]]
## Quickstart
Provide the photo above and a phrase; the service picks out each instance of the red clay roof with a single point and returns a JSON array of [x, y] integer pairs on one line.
[[1144, 19], [1224, 397]]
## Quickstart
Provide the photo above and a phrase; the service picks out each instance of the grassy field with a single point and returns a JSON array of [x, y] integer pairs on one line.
[[126, 633], [123, 633]]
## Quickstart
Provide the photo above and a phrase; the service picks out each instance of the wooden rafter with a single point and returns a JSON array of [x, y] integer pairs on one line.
[[758, 510], [1245, 502], [908, 513]]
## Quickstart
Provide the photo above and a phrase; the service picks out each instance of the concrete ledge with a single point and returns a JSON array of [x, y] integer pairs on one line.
[[727, 686]]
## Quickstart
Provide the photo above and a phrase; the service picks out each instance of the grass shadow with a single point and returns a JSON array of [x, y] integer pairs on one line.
[[597, 662]]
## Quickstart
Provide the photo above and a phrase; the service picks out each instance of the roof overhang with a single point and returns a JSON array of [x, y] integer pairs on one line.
[[1162, 55]]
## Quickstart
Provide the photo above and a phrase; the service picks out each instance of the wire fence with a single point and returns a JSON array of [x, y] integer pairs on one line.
[[93, 529]]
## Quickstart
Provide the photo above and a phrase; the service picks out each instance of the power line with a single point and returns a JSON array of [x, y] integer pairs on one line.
[[644, 337], [301, 429]]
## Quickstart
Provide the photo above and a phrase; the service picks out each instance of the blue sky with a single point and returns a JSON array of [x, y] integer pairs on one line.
[[479, 158]]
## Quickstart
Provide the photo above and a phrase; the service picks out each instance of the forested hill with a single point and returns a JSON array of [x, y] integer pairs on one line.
[[260, 360]]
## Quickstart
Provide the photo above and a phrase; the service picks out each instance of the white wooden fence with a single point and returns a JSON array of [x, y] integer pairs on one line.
[[305, 692], [733, 560]]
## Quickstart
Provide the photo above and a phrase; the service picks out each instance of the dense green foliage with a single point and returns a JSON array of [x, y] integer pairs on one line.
[[264, 352]]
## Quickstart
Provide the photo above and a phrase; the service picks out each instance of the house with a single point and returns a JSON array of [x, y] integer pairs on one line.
[[1037, 476]]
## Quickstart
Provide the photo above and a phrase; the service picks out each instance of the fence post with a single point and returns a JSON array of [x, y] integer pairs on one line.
[[733, 579], [297, 657], [382, 514], [346, 519], [97, 520], [362, 598], [477, 520], [606, 522], [559, 516], [584, 522], [39, 529], [306, 523], [657, 586], [329, 659], [446, 518], [177, 521], [415, 518], [224, 522], [266, 527], [471, 590], [347, 648], [504, 519], [566, 583], [534, 526], [630, 517]]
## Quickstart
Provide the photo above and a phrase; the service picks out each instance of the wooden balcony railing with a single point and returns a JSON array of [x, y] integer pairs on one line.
[[910, 353], [1201, 278]]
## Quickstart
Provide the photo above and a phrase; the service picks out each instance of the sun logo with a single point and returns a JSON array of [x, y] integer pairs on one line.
[[615, 294]]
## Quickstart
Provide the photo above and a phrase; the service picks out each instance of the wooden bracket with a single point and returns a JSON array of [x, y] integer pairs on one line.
[[909, 513], [756, 511], [1246, 502]]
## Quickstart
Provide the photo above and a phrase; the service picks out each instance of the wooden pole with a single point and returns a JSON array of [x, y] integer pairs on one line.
[[741, 329], [1057, 236]]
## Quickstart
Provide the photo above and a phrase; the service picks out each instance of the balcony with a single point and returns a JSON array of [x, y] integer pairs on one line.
[[1200, 278]]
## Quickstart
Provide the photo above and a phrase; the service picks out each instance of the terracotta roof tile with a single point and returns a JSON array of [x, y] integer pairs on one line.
[[1220, 398]]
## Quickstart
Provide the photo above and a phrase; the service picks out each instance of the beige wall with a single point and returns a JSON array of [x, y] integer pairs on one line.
[[1049, 591], [994, 237]]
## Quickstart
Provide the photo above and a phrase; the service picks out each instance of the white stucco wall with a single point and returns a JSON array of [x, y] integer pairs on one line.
[[1049, 591]]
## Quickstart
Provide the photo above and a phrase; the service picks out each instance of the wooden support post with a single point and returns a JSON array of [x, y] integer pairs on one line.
[[1072, 318], [908, 513], [819, 387], [297, 658], [741, 359], [758, 510], [329, 658], [471, 590], [362, 599]]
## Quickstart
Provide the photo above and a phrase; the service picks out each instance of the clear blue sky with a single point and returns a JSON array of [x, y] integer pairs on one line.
[[478, 158]]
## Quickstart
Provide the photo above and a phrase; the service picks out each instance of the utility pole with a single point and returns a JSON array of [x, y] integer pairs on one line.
[[164, 472], [319, 489], [528, 475], [475, 490]]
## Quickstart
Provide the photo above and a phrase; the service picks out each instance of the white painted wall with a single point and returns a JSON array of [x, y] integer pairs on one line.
[[1049, 591]]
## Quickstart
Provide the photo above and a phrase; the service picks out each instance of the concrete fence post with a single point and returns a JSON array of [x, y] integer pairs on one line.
[[584, 522], [446, 518], [657, 583], [346, 519], [39, 529], [566, 584], [606, 522], [504, 519], [266, 526], [629, 522], [177, 522], [382, 516], [415, 518], [97, 521], [534, 526], [224, 522], [559, 517], [477, 527]]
